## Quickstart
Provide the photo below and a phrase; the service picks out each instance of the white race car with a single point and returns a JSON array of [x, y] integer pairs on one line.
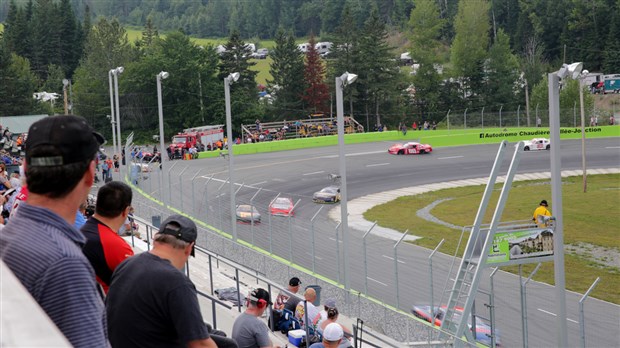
[[537, 144]]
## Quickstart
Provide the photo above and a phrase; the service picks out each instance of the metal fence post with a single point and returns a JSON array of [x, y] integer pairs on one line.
[[290, 230], [448, 117], [170, 183], [338, 251], [492, 308], [465, 119], [582, 323], [500, 116], [482, 120], [270, 228], [219, 198], [518, 115], [194, 193], [396, 267], [252, 216], [365, 258], [430, 270], [575, 114], [207, 197], [312, 234], [537, 115], [181, 186], [524, 302]]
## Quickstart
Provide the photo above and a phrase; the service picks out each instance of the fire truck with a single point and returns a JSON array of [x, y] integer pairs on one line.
[[196, 136]]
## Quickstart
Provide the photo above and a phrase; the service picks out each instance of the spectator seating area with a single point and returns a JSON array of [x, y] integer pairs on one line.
[[315, 125]]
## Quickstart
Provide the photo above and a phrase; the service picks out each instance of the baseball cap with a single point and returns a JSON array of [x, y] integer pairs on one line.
[[330, 303], [294, 281], [260, 294], [181, 227], [73, 139], [333, 332]]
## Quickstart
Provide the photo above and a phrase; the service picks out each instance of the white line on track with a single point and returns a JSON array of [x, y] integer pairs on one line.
[[319, 172], [451, 157], [334, 239], [391, 258], [378, 164], [355, 154], [259, 183], [612, 147], [374, 280], [317, 257], [555, 315]]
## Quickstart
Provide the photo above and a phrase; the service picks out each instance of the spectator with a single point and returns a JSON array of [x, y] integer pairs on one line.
[[332, 317], [314, 314], [248, 330], [5, 183], [329, 303], [540, 212], [151, 303], [332, 338], [434, 125], [414, 126], [80, 217], [116, 164], [104, 248], [60, 169], [403, 129], [289, 302], [612, 121]]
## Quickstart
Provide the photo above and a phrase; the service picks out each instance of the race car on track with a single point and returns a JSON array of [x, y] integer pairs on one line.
[[410, 148], [537, 144], [483, 329], [329, 194], [247, 213], [281, 206]]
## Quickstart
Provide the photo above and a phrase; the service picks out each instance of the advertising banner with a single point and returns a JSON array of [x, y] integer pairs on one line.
[[520, 247]]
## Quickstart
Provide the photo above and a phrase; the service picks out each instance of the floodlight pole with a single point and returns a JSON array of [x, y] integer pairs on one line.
[[160, 108], [583, 136], [112, 120], [340, 81], [227, 81], [118, 71], [556, 196]]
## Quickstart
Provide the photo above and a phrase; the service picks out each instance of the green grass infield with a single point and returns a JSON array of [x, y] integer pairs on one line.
[[436, 138]]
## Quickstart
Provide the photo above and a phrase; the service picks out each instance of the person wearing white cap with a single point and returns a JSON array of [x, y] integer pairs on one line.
[[332, 338]]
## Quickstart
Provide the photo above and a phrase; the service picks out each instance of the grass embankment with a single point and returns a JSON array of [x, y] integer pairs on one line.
[[590, 218]]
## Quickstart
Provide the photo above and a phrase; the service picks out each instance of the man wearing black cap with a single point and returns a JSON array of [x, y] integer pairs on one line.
[[151, 303], [540, 212], [248, 330], [40, 244]]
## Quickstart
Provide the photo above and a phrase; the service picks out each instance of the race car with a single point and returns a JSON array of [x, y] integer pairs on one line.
[[410, 148], [483, 329], [537, 144], [329, 194], [281, 206], [247, 213]]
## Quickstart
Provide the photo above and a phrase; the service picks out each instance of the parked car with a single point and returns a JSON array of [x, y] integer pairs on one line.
[[247, 213], [261, 53], [483, 329], [329, 194], [410, 148], [537, 144], [281, 206]]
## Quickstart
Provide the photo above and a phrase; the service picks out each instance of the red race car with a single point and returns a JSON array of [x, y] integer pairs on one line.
[[410, 148], [282, 206]]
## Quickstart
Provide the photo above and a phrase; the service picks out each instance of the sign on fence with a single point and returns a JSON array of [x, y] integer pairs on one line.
[[520, 247]]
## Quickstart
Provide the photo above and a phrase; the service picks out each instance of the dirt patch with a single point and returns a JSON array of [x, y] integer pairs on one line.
[[609, 257]]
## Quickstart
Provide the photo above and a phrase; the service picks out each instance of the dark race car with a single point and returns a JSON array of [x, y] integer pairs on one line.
[[247, 213], [330, 194], [483, 329], [410, 148]]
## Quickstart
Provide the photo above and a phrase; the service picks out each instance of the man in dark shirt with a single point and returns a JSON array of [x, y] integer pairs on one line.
[[104, 248], [151, 303]]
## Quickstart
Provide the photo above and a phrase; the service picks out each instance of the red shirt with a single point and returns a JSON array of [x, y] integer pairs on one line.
[[105, 250]]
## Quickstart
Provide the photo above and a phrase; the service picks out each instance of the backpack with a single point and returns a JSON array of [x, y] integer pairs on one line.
[[287, 322]]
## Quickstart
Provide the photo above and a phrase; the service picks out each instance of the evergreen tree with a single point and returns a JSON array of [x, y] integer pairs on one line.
[[316, 93], [502, 72], [287, 71], [69, 45], [18, 83], [149, 34], [611, 62]]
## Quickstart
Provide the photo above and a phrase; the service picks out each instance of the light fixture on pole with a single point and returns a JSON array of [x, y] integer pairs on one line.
[[342, 81], [118, 71], [112, 119], [228, 80], [583, 130], [573, 71], [161, 76]]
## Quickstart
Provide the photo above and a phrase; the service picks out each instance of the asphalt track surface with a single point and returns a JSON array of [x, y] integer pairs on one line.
[[298, 174]]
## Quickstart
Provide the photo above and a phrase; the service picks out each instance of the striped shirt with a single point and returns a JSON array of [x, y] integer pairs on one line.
[[44, 252]]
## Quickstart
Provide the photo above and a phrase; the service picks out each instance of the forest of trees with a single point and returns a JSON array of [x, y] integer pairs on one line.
[[471, 54]]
